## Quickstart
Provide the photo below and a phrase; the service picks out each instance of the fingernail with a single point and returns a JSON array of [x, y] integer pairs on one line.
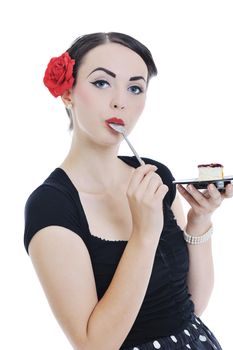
[[180, 188], [190, 188], [212, 187]]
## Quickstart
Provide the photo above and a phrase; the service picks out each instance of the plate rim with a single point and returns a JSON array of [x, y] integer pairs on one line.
[[195, 180]]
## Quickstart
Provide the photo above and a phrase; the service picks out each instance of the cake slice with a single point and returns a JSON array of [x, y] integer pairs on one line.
[[210, 171]]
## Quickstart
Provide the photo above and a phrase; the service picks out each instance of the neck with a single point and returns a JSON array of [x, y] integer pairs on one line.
[[95, 167]]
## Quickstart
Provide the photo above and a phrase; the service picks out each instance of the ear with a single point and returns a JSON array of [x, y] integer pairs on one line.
[[67, 97]]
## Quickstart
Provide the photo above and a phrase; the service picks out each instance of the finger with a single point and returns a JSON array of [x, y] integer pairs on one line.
[[206, 193], [138, 176], [215, 197], [198, 196], [160, 193], [146, 182], [228, 191], [153, 184], [188, 197]]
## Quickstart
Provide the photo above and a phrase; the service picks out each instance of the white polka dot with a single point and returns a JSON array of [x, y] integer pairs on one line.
[[188, 346], [135, 348], [202, 338], [198, 321], [194, 325], [187, 332], [156, 345], [173, 338]]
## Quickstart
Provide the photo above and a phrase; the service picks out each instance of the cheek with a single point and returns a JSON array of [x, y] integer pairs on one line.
[[139, 105], [82, 96], [135, 112], [85, 98]]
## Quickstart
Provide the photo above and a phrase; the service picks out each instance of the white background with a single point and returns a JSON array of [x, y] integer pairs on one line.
[[186, 122]]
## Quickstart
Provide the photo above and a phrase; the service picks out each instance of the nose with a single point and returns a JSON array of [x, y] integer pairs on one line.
[[118, 107], [118, 101]]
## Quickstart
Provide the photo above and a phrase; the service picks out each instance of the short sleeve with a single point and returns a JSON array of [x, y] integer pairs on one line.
[[166, 175], [47, 206]]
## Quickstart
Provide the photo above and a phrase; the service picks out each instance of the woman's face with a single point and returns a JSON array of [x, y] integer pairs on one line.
[[111, 82]]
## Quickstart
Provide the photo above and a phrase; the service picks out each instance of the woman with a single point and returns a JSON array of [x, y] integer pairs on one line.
[[104, 233]]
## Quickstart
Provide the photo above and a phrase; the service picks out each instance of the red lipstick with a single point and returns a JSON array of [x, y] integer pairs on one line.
[[115, 121]]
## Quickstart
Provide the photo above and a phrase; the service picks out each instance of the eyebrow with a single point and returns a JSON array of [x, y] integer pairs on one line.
[[114, 75]]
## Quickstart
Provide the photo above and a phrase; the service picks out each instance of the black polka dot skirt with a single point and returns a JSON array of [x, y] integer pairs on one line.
[[195, 336]]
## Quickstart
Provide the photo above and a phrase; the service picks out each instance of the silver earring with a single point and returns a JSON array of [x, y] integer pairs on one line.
[[69, 106]]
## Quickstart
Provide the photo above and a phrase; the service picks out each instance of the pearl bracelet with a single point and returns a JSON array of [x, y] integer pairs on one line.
[[198, 239]]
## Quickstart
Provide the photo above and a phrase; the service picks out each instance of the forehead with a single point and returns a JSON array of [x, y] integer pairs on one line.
[[119, 59]]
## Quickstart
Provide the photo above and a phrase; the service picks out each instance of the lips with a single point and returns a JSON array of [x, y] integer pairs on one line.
[[115, 121]]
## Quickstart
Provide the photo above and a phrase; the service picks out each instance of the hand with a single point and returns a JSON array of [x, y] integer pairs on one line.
[[203, 204], [145, 195]]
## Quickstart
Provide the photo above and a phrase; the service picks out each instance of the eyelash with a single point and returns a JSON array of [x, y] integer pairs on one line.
[[95, 83]]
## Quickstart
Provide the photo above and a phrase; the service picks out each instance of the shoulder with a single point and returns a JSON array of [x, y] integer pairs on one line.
[[45, 196], [45, 205], [52, 194], [50, 205]]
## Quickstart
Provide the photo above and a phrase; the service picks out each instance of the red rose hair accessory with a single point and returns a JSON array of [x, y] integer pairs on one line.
[[59, 74]]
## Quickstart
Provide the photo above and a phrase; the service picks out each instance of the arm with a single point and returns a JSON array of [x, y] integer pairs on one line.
[[63, 266], [201, 273], [200, 278]]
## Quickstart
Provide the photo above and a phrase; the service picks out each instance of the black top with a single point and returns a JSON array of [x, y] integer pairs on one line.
[[167, 306]]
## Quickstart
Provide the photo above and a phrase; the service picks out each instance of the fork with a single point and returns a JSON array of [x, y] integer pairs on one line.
[[121, 129]]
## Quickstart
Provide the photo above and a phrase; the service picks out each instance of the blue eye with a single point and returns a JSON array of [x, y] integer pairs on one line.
[[101, 84], [135, 89]]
